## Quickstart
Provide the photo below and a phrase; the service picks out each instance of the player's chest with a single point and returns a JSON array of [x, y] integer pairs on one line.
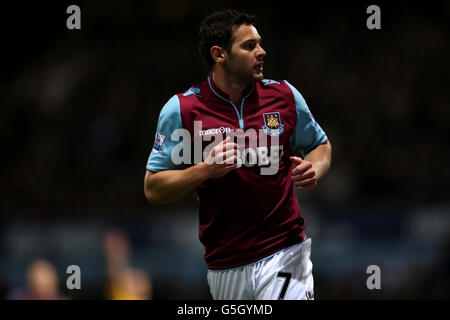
[[269, 117]]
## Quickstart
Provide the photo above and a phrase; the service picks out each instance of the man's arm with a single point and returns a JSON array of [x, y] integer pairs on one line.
[[315, 166], [169, 185]]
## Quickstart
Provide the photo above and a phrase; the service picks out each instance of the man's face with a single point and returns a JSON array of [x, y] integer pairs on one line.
[[245, 61]]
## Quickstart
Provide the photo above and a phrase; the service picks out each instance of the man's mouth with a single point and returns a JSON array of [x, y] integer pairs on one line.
[[259, 66]]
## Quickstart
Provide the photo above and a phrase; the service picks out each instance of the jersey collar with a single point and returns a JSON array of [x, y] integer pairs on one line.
[[222, 95]]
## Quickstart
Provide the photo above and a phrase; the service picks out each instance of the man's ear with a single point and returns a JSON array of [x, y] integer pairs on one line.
[[218, 54]]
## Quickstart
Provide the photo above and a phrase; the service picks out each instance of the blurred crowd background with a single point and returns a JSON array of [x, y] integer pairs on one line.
[[78, 115]]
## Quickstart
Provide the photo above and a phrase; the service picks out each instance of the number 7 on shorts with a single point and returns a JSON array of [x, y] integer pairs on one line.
[[286, 275]]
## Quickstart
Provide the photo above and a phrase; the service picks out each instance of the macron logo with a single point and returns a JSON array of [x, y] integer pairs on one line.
[[214, 131]]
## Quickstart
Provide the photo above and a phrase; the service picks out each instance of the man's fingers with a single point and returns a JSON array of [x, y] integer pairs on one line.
[[301, 168], [223, 170], [305, 182], [231, 167], [230, 146], [229, 153], [308, 186], [223, 145], [305, 175], [227, 146], [296, 160], [232, 159], [226, 156]]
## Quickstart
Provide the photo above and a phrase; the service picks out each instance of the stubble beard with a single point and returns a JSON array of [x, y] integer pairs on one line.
[[240, 76], [244, 77]]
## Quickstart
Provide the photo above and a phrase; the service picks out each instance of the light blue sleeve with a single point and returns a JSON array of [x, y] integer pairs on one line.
[[169, 120], [307, 133]]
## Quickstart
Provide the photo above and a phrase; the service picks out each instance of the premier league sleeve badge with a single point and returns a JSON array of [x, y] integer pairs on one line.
[[159, 141]]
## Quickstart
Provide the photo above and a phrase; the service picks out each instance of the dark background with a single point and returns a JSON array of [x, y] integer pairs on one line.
[[79, 110]]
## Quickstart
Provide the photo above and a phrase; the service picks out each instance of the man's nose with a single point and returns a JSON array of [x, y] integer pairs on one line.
[[261, 53]]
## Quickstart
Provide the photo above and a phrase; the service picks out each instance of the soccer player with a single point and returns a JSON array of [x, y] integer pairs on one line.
[[265, 142]]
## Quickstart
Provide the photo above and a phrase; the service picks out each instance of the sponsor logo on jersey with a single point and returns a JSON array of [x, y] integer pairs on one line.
[[261, 156], [214, 131], [272, 124], [253, 148], [159, 141]]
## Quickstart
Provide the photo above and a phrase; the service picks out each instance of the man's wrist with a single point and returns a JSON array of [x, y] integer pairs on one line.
[[319, 169], [203, 170]]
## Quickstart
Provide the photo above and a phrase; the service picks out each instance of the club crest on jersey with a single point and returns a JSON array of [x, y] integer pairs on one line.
[[159, 141], [272, 124]]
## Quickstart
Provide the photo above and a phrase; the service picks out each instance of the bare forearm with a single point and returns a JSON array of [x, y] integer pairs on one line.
[[169, 185], [320, 157]]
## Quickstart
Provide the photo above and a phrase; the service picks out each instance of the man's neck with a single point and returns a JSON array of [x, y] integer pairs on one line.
[[230, 86]]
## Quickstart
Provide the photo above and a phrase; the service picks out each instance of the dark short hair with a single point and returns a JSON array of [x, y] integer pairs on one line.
[[217, 30]]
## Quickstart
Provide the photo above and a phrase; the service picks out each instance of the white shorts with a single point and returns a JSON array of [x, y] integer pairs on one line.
[[286, 275]]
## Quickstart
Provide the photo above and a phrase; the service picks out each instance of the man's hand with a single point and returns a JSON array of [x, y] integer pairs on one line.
[[303, 175], [222, 159]]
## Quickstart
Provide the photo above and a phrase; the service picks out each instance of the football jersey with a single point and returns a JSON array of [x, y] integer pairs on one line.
[[251, 212]]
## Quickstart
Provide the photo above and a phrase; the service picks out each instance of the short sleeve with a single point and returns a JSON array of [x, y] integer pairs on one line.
[[169, 120], [307, 133]]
